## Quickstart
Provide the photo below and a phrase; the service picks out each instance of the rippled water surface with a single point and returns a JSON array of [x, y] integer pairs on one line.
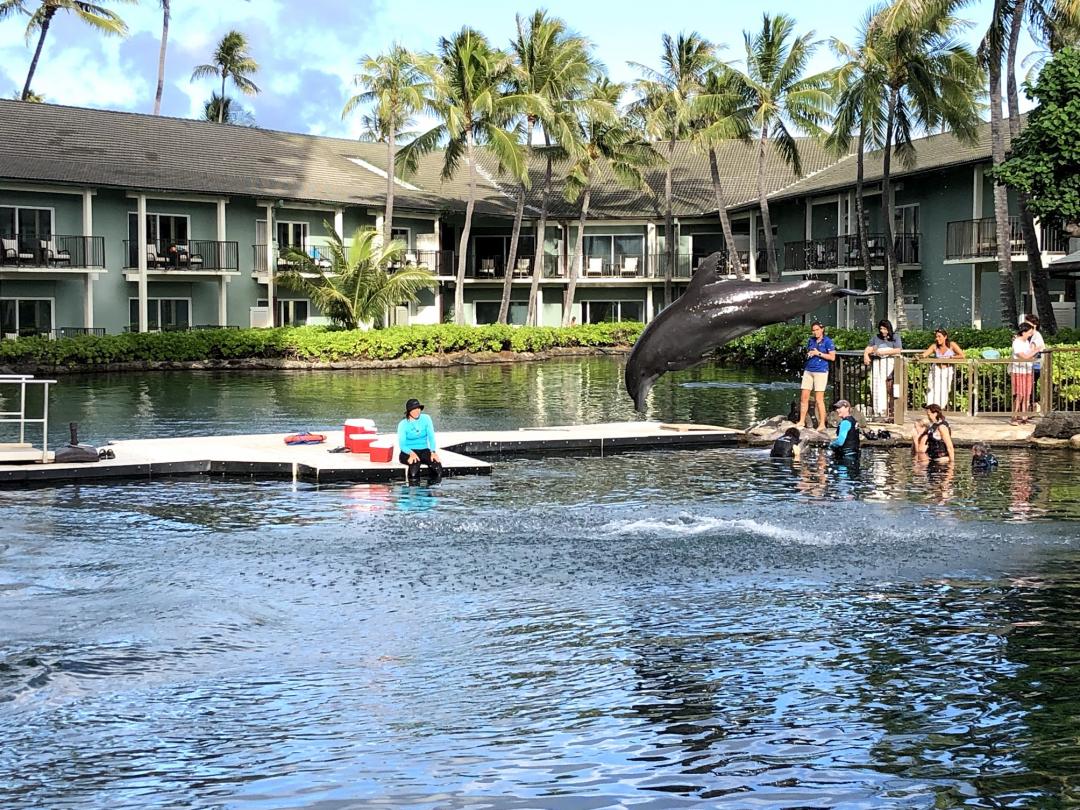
[[665, 629]]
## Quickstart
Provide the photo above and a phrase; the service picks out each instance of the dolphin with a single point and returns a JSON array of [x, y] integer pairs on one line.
[[714, 311]]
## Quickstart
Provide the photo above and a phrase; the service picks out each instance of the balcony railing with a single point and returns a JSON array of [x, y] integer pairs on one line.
[[977, 239], [842, 252], [163, 255], [54, 251]]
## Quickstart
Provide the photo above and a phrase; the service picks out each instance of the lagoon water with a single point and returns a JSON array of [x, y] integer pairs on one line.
[[646, 630]]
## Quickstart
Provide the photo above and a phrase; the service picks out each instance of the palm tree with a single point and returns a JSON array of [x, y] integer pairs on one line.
[[165, 13], [603, 138], [1053, 23], [95, 15], [357, 287], [931, 81], [784, 100], [231, 59], [721, 113], [224, 111], [472, 110], [664, 108], [860, 89], [554, 65], [397, 83]]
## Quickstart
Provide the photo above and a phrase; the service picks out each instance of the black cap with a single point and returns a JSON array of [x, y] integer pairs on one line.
[[412, 403]]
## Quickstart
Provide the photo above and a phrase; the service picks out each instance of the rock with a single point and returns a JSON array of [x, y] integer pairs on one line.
[[1058, 425], [1074, 442], [832, 419]]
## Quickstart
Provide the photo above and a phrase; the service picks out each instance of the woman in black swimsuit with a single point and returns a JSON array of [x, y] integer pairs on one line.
[[939, 446]]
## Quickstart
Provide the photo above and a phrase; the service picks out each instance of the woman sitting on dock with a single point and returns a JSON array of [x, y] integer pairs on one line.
[[941, 374], [416, 443], [938, 436], [1022, 370]]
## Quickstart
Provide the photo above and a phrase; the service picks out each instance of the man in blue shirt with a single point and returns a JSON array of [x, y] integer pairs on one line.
[[416, 443], [820, 351]]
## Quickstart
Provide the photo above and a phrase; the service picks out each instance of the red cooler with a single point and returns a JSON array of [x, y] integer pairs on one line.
[[359, 434], [382, 450]]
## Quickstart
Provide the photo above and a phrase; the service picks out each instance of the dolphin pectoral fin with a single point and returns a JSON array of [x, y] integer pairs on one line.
[[841, 291]]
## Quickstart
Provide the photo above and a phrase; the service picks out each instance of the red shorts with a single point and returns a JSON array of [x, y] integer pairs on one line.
[[1022, 384]]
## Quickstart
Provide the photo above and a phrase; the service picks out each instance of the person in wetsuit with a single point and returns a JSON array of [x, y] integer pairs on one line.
[[982, 460], [938, 434], [787, 446], [416, 443], [846, 443]]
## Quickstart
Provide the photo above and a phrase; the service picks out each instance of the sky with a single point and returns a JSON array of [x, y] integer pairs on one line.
[[308, 50]]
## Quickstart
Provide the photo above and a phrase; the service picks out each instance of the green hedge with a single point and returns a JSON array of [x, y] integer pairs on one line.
[[309, 343], [781, 346]]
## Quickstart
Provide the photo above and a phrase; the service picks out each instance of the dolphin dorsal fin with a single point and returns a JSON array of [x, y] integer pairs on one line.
[[707, 272]]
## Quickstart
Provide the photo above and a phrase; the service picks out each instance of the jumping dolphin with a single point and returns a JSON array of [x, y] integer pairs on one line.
[[714, 311]]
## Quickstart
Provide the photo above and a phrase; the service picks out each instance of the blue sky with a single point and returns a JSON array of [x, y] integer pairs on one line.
[[308, 49]]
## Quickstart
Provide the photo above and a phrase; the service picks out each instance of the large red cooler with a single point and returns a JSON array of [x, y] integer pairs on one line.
[[382, 450], [359, 434], [359, 426]]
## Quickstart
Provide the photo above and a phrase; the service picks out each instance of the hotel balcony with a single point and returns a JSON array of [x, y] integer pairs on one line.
[[835, 253], [970, 241], [187, 257], [54, 254]]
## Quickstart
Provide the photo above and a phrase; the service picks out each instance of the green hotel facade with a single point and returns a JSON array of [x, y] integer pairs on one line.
[[114, 221]]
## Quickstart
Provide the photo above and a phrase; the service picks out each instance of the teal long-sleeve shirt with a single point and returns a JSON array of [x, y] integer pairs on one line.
[[416, 434], [841, 434]]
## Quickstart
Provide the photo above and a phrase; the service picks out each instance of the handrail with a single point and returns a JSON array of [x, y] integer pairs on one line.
[[19, 416]]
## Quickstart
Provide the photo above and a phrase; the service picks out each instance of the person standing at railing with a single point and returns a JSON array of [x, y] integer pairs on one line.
[[941, 374], [1022, 373], [820, 351], [1036, 367], [880, 355]]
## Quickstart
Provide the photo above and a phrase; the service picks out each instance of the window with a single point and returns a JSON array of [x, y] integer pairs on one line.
[[290, 311], [24, 317], [906, 219], [164, 314], [292, 234], [488, 312], [400, 235], [614, 248], [162, 232], [610, 311], [26, 223]]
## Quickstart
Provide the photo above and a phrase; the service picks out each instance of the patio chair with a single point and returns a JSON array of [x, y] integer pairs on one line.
[[524, 268], [410, 257], [595, 266], [14, 252], [54, 255], [153, 260], [629, 266], [487, 267]]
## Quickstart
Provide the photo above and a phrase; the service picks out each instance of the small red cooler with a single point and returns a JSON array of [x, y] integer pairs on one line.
[[382, 450]]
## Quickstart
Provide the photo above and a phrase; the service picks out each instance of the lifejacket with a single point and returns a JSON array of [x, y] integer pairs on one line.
[[305, 438], [784, 447], [850, 447]]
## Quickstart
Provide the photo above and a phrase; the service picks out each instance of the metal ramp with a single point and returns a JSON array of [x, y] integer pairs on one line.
[[13, 390]]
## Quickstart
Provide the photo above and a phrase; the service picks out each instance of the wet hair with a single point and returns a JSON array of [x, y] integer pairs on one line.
[[980, 449], [792, 433], [1024, 327], [888, 327], [935, 409]]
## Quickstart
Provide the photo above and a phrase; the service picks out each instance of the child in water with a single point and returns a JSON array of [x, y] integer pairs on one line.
[[981, 457], [788, 445]]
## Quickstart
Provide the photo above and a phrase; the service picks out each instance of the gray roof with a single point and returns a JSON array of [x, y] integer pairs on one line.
[[931, 152]]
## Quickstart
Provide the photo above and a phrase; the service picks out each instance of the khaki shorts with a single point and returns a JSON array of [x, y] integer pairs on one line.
[[814, 380]]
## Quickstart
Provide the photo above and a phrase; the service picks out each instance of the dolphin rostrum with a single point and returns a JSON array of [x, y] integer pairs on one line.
[[714, 311]]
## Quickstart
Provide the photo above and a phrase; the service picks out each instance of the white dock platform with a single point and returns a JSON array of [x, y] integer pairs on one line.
[[266, 456]]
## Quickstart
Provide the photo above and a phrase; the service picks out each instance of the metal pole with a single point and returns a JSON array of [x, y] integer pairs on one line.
[[22, 411], [45, 426], [900, 390], [1046, 392]]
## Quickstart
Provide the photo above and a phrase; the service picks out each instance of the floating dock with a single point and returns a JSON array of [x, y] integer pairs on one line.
[[266, 456]]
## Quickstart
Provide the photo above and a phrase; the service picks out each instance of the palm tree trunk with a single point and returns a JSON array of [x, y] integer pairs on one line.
[[463, 244], [860, 215], [669, 225], [161, 56], [391, 171], [892, 266], [763, 203], [37, 52], [221, 101], [733, 260], [532, 316], [511, 260], [1007, 283], [579, 260], [1040, 279]]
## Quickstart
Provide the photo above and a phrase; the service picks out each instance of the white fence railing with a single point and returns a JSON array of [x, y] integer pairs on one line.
[[19, 417]]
